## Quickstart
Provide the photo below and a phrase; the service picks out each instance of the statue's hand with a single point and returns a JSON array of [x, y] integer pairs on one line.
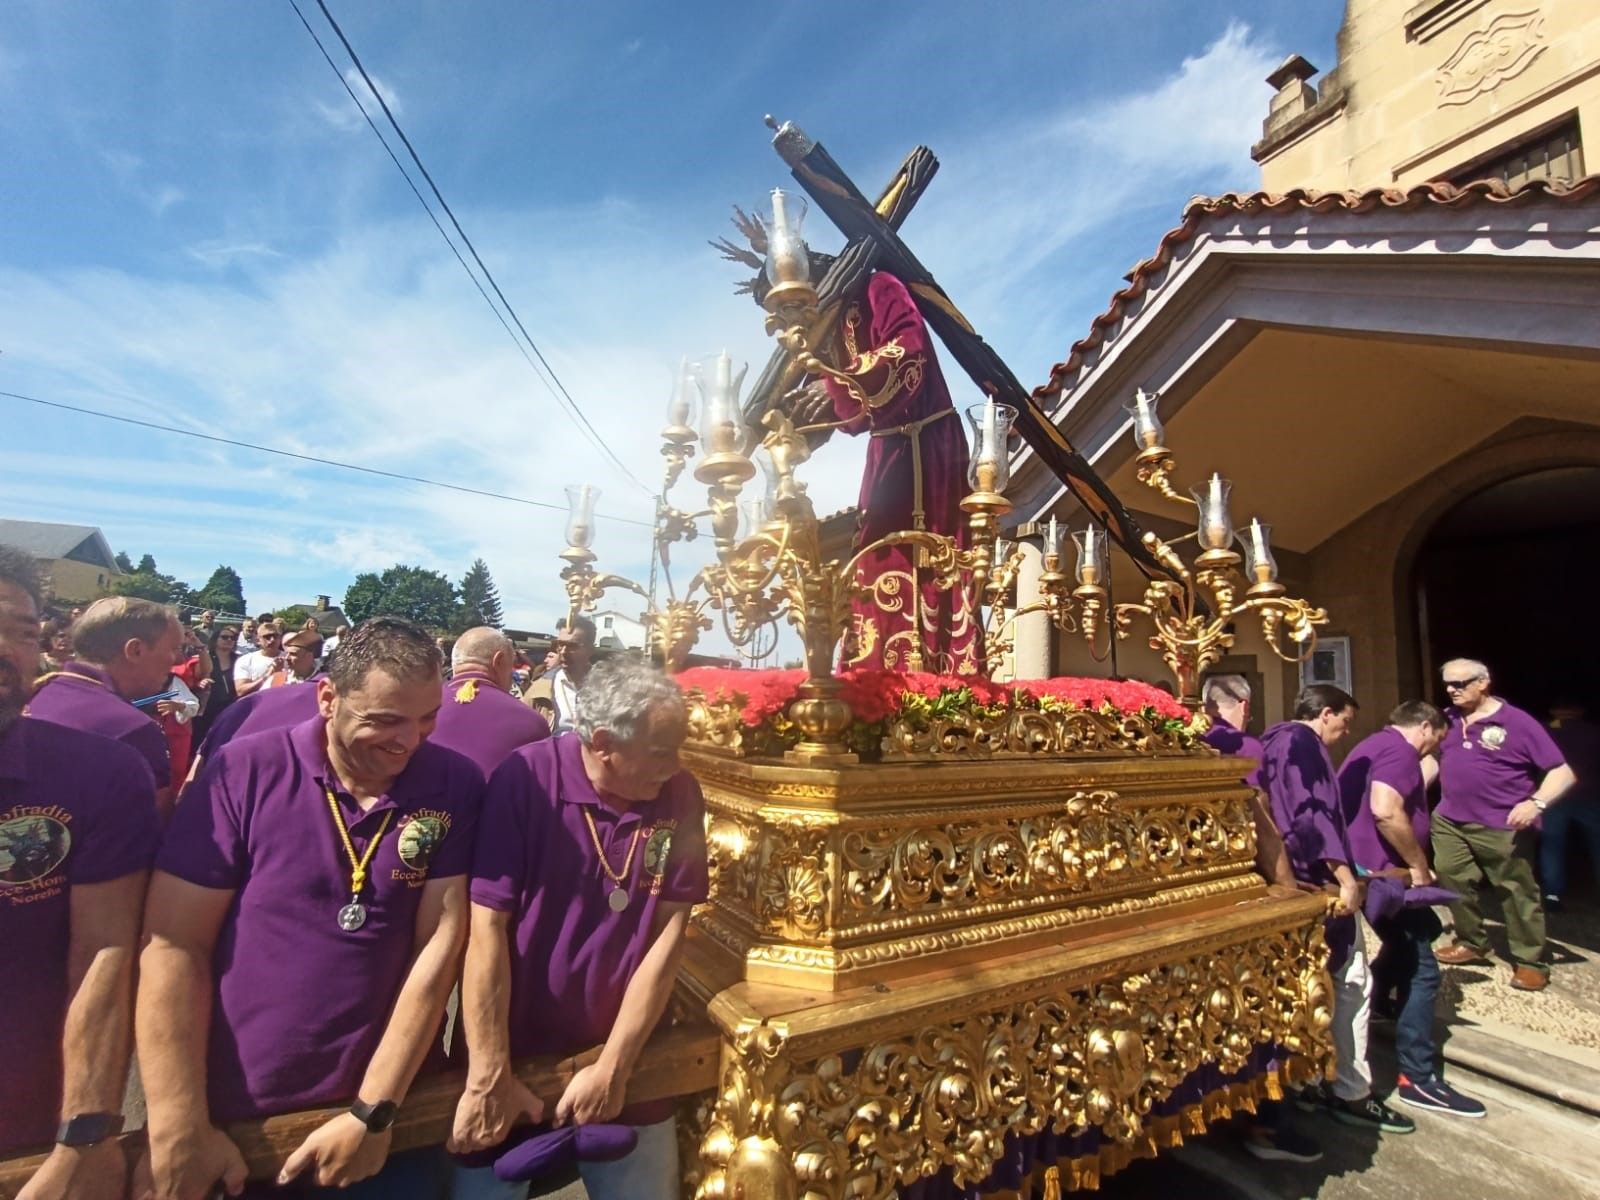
[[811, 405]]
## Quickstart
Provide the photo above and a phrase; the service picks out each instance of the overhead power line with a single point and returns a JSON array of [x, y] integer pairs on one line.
[[309, 458], [548, 377]]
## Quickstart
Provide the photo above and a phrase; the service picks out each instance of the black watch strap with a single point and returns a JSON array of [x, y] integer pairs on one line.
[[378, 1116], [89, 1129]]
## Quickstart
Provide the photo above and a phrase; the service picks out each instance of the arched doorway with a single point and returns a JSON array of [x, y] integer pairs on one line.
[[1510, 576]]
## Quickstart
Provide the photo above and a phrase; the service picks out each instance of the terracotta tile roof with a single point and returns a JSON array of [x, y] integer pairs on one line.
[[1202, 208]]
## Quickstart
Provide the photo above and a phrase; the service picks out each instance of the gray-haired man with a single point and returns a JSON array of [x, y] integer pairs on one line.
[[590, 853]]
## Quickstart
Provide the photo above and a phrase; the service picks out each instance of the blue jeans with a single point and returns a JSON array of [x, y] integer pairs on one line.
[[1574, 811], [410, 1175], [1405, 965], [649, 1173]]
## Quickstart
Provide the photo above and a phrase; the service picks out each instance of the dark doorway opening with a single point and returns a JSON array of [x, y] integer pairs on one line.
[[1511, 576]]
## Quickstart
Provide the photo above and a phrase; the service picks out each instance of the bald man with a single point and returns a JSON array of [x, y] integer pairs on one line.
[[479, 716]]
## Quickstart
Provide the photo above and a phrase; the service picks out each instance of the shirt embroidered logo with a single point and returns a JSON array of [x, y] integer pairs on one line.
[[31, 848], [1494, 737], [418, 840], [468, 692], [656, 851]]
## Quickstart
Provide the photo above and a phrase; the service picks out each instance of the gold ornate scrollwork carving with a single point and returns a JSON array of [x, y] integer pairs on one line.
[[945, 1094]]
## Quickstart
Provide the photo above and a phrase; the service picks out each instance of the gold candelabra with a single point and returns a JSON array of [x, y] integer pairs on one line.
[[1192, 613]]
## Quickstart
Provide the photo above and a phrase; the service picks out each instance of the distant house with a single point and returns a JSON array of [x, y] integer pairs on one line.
[[76, 558], [328, 615], [618, 631]]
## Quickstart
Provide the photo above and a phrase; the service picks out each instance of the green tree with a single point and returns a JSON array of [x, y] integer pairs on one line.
[[415, 593], [480, 599], [293, 617], [224, 592], [147, 565], [124, 563], [152, 585]]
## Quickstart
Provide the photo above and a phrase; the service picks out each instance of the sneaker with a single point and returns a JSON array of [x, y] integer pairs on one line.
[[1312, 1098], [1372, 1113], [1552, 904], [1282, 1145], [1438, 1095]]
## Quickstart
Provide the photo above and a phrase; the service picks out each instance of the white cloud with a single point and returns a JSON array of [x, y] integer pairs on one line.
[[342, 114], [128, 170], [377, 351]]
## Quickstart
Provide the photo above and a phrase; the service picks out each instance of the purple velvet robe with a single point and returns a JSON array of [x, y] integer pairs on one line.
[[887, 347]]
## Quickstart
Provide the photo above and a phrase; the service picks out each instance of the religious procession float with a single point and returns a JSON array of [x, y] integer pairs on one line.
[[964, 937]]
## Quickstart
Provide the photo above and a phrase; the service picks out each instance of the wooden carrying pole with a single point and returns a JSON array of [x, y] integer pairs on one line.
[[676, 1062]]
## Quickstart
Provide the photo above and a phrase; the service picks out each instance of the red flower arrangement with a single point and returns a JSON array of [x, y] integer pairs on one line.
[[877, 698]]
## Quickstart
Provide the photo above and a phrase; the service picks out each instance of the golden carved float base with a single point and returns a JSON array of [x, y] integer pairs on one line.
[[833, 876], [863, 1092]]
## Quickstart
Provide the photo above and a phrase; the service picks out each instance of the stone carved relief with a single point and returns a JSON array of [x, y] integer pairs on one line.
[[1487, 57]]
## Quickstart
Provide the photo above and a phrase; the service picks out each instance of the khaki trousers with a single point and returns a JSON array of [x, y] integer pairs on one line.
[[1465, 856]]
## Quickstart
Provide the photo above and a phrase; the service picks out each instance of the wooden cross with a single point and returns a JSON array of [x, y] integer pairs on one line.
[[873, 240]]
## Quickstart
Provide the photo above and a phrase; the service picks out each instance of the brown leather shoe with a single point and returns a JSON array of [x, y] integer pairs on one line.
[[1529, 979], [1458, 955]]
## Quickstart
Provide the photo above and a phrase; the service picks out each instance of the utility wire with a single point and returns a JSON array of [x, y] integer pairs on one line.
[[310, 458], [574, 409]]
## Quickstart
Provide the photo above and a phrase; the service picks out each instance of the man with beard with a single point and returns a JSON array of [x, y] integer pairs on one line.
[[590, 855], [78, 828], [123, 651], [574, 651], [304, 931]]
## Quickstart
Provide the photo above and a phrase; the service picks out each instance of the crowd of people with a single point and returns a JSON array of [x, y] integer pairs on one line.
[[269, 859], [280, 924], [1369, 831]]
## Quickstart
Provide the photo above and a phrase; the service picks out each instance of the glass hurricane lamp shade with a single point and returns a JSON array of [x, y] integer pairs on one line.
[[1052, 539], [1215, 526], [769, 473], [1260, 566], [788, 258], [1091, 546], [720, 414], [680, 408], [755, 512], [1148, 432], [989, 468], [580, 515]]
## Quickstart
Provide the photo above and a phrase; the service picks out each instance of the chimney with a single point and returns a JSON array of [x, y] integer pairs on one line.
[[322, 603], [1295, 94]]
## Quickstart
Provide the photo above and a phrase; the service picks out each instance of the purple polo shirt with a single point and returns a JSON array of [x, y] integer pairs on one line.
[[1297, 775], [269, 708], [478, 719], [75, 808], [300, 1004], [1489, 767], [572, 957], [1383, 757], [1225, 739], [83, 697]]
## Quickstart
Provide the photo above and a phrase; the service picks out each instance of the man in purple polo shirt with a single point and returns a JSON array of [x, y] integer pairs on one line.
[[1383, 785], [479, 717], [304, 930], [1298, 776], [590, 855], [1499, 770], [123, 650], [78, 829], [1268, 1134]]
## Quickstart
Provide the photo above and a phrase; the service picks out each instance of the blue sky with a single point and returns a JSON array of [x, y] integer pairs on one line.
[[197, 228]]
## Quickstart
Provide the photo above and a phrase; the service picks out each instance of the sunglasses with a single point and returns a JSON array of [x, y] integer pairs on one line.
[[1456, 685]]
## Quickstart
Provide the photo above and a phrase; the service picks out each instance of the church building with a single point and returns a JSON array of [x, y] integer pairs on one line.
[[1392, 350]]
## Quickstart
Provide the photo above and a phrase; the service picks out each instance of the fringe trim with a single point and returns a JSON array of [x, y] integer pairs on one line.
[[1085, 1173]]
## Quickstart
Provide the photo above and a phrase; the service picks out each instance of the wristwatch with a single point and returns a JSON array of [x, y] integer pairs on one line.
[[1541, 805], [89, 1129], [376, 1117]]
